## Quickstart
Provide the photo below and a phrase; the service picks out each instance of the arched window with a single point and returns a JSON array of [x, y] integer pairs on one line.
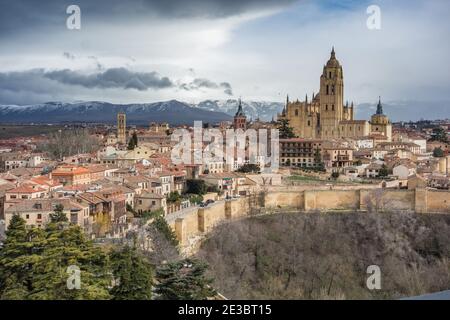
[[296, 112], [332, 89], [309, 123], [332, 107], [326, 107], [328, 89]]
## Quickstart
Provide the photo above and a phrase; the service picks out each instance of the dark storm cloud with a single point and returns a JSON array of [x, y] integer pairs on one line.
[[25, 15], [22, 87], [227, 88], [201, 83], [112, 78]]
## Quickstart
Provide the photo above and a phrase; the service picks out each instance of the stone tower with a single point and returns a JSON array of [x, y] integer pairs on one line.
[[122, 128], [240, 120], [380, 123], [331, 97]]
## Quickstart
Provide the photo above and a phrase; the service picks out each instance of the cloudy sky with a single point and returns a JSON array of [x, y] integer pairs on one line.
[[191, 50]]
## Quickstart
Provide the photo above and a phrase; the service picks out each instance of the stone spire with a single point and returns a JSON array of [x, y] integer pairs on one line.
[[333, 62], [285, 106], [379, 106], [240, 112]]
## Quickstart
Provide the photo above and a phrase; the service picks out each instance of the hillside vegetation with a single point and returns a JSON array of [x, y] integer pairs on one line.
[[325, 256]]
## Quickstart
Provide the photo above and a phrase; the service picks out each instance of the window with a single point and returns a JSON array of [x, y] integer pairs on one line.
[[328, 89], [332, 107], [296, 112], [326, 107], [39, 216], [153, 203], [27, 216], [140, 201], [309, 123]]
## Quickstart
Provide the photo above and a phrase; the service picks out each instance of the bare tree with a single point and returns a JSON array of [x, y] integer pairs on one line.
[[325, 256], [69, 142]]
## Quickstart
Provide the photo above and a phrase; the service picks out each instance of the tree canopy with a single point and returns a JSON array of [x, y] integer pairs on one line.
[[184, 280], [286, 131]]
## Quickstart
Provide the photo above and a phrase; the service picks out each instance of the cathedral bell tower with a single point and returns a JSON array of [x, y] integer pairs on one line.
[[240, 120], [331, 98]]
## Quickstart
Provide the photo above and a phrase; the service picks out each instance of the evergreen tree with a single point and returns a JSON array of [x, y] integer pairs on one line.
[[17, 259], [34, 263], [58, 214], [439, 134], [384, 172], [184, 280], [286, 132], [438, 153], [133, 142], [133, 275], [196, 186], [162, 226], [249, 168], [318, 160], [173, 197], [67, 247], [135, 139], [130, 144]]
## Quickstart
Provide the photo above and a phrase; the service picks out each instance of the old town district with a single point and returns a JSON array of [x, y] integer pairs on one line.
[[130, 170]]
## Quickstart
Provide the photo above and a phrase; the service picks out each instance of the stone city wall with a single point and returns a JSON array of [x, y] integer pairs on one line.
[[199, 221]]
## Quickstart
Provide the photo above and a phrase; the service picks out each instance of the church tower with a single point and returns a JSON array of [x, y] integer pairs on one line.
[[331, 98], [380, 123], [121, 128], [240, 120]]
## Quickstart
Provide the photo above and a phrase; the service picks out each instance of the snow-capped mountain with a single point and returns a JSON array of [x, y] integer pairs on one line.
[[173, 112], [210, 111], [263, 110]]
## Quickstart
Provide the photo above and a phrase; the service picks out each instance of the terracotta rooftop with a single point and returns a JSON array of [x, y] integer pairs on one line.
[[26, 189], [69, 170]]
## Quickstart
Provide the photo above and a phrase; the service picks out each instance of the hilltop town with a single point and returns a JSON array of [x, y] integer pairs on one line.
[[107, 178]]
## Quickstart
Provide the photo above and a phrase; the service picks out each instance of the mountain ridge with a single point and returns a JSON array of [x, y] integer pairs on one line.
[[212, 111], [172, 111]]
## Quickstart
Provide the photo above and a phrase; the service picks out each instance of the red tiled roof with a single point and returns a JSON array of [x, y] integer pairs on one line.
[[69, 170], [26, 189]]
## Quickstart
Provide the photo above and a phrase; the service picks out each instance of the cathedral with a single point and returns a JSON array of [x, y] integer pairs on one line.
[[325, 116]]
